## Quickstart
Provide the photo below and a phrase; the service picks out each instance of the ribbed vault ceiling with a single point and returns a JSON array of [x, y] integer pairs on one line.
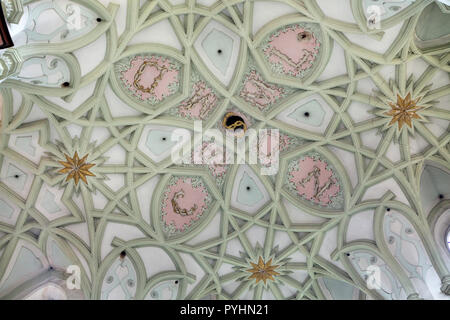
[[362, 187]]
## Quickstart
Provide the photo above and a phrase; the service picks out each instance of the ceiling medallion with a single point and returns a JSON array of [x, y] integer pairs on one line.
[[298, 50], [292, 50], [185, 201], [258, 92], [312, 178], [200, 103], [263, 271], [234, 122], [76, 168], [404, 111], [149, 78]]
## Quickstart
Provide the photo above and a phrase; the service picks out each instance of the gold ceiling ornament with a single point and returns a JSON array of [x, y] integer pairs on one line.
[[404, 111], [234, 122], [156, 80], [77, 168], [263, 271]]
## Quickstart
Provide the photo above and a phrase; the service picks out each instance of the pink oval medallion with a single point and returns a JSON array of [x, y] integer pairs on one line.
[[184, 202], [151, 78], [314, 180], [292, 50], [201, 102]]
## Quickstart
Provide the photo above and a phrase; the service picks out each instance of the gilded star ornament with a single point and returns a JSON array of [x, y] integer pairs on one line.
[[76, 168], [263, 270], [404, 111]]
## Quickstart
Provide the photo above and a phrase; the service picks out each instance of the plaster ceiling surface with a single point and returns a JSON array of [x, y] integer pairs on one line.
[[359, 207]]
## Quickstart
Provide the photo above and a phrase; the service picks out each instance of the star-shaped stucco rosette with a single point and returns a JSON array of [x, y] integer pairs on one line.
[[404, 111], [262, 271], [76, 168], [403, 108]]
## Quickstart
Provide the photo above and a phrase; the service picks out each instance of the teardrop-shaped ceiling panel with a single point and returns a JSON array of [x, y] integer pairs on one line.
[[156, 141], [218, 47], [311, 114], [16, 177], [249, 193]]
